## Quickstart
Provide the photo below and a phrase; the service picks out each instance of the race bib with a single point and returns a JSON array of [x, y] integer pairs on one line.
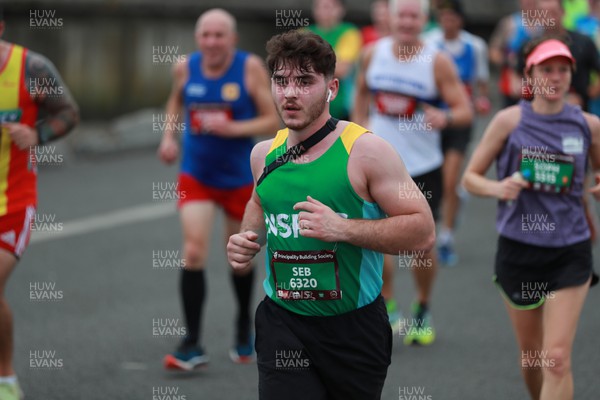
[[306, 275], [202, 114], [10, 115], [547, 172], [395, 104]]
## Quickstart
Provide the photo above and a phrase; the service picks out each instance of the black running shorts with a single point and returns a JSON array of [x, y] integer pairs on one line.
[[456, 139], [526, 274], [342, 357], [431, 185]]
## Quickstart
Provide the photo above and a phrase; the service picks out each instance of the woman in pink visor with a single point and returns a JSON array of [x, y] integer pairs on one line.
[[543, 265]]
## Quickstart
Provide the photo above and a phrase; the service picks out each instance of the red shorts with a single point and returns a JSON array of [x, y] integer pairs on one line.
[[15, 230], [233, 201]]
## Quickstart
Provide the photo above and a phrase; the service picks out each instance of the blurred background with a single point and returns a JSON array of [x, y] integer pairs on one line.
[[116, 57], [104, 49]]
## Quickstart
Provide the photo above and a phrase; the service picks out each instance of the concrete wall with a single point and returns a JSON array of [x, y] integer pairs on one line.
[[116, 55]]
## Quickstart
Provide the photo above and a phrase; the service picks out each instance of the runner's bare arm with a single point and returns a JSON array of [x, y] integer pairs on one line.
[[362, 97], [487, 150], [380, 174], [253, 216], [168, 151], [253, 219], [594, 152], [174, 107], [259, 87], [498, 41], [453, 93], [410, 225], [483, 89], [481, 101], [243, 246], [51, 94]]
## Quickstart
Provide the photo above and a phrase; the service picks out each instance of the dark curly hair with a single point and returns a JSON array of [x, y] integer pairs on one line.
[[300, 50]]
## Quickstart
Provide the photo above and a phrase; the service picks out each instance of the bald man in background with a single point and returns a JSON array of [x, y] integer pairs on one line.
[[223, 97]]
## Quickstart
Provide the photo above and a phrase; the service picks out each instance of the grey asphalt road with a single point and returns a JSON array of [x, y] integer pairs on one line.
[[95, 339]]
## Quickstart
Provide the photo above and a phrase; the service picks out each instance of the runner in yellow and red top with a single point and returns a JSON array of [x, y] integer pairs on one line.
[[28, 83]]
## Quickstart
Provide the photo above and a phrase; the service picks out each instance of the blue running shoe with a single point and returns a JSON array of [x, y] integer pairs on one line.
[[243, 353], [447, 255], [186, 358]]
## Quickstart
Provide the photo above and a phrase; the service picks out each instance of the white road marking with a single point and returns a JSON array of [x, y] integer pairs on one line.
[[134, 366], [144, 212]]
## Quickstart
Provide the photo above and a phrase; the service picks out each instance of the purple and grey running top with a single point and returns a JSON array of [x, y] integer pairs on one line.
[[551, 153]]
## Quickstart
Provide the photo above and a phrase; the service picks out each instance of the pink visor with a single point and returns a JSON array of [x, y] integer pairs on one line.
[[547, 50]]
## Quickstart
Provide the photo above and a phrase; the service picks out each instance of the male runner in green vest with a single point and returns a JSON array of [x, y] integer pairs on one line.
[[327, 212]]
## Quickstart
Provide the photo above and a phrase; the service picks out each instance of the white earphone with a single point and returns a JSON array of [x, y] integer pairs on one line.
[[329, 95]]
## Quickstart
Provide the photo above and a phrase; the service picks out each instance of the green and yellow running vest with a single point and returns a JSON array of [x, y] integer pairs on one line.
[[305, 275]]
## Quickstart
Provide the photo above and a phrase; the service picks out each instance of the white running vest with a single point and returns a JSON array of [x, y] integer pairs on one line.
[[398, 87]]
